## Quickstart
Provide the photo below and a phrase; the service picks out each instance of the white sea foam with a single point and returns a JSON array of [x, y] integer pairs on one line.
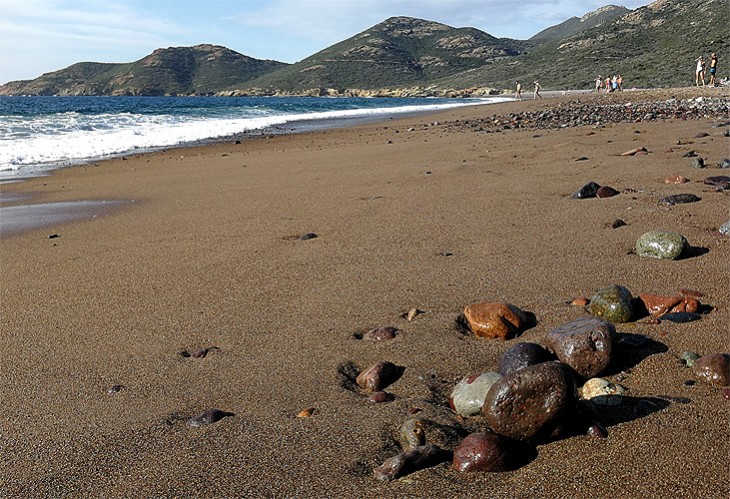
[[67, 138]]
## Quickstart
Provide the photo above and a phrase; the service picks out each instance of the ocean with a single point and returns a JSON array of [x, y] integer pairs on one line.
[[38, 134]]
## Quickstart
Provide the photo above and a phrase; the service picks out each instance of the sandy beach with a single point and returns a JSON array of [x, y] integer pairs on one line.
[[201, 247]]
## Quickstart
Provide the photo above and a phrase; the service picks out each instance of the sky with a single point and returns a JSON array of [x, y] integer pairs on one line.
[[39, 36]]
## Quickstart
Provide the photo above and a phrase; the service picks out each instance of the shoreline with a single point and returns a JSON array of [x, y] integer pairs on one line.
[[431, 212]]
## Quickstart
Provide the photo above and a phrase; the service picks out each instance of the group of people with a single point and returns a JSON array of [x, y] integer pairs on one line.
[[700, 70], [535, 95], [614, 84]]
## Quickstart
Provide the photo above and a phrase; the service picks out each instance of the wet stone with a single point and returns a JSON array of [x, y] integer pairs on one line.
[[684, 198], [585, 344], [467, 397], [612, 304], [495, 319], [485, 452], [208, 417], [379, 376], [597, 430], [532, 403], [681, 317], [662, 244], [658, 305], [713, 368], [383, 333], [522, 355], [589, 190]]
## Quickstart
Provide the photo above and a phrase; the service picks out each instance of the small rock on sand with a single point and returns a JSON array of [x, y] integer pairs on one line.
[[662, 244]]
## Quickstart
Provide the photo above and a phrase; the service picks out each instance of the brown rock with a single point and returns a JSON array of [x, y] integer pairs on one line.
[[585, 344], [383, 333], [606, 192], [482, 452], [414, 459], [676, 179], [658, 305], [379, 376], [495, 319], [634, 151], [713, 368], [580, 301], [380, 397]]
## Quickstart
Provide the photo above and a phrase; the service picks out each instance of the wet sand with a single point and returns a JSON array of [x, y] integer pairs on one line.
[[423, 212]]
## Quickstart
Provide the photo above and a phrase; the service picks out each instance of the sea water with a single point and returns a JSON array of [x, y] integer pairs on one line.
[[43, 133]]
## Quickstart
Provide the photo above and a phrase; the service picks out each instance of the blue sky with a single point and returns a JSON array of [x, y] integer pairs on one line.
[[38, 36]]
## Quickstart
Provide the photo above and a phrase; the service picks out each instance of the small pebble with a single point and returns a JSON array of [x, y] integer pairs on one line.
[[676, 179], [307, 413], [689, 358], [114, 389], [617, 223], [597, 430], [697, 163], [54, 236], [690, 154], [681, 317], [689, 382], [307, 236], [580, 301], [208, 417], [383, 333], [726, 393], [381, 397], [701, 135]]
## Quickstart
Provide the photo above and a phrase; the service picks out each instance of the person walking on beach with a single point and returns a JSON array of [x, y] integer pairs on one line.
[[620, 82], [598, 84], [713, 69], [537, 91], [518, 93], [700, 71]]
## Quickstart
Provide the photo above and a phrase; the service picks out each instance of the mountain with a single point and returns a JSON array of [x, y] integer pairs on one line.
[[202, 69], [575, 25], [652, 46], [400, 51]]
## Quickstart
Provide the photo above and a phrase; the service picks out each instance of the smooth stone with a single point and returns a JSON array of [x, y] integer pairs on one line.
[[690, 154], [495, 319], [725, 228], [383, 333], [658, 305], [681, 317], [679, 199], [617, 223], [208, 417], [467, 397], [587, 191], [662, 244], [597, 430], [585, 344], [600, 391], [531, 403], [721, 181], [308, 236], [606, 192], [485, 452], [697, 163], [381, 397], [612, 304], [114, 389], [689, 358], [379, 376], [725, 162], [522, 355], [414, 459], [713, 368]]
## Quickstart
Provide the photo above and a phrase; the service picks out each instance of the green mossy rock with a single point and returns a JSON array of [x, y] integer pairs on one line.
[[613, 304], [663, 244]]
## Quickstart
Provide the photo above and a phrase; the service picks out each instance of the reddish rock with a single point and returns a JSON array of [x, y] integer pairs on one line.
[[580, 301], [482, 452], [379, 376], [380, 397], [585, 344], [606, 192], [495, 319], [676, 179], [713, 368], [658, 305], [691, 292]]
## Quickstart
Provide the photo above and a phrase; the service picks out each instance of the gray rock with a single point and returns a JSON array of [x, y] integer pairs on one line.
[[697, 163], [587, 191], [612, 304], [679, 199], [533, 403], [467, 397], [725, 163], [522, 355], [585, 344], [725, 228], [663, 244], [689, 358], [208, 417]]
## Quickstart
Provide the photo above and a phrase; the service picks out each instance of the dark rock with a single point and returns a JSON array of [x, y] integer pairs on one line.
[[606, 192], [582, 158], [587, 191], [585, 344], [114, 389], [597, 430], [495, 319], [381, 397], [679, 199], [720, 181], [482, 452], [208, 417], [54, 236], [713, 368], [702, 135], [522, 355], [198, 354], [307, 236], [383, 333], [690, 154], [617, 223], [379, 376], [726, 393], [532, 403], [612, 304], [414, 459], [680, 317], [661, 244]]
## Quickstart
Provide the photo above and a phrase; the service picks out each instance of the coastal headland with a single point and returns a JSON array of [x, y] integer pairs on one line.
[[242, 277]]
